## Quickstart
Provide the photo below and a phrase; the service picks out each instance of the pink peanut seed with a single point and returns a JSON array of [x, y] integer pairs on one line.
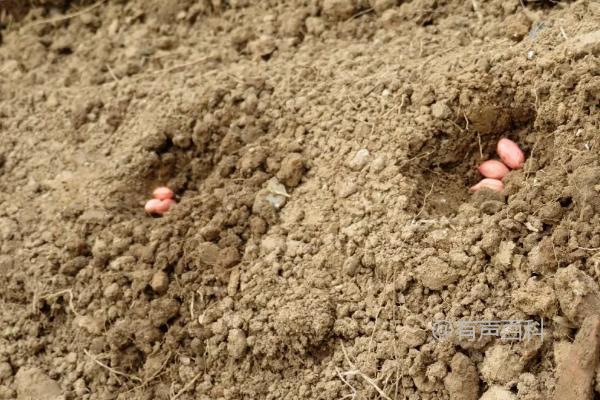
[[488, 183], [152, 205], [510, 153], [164, 206], [162, 193], [493, 169]]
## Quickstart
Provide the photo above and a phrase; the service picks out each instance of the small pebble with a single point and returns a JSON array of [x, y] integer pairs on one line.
[[160, 282], [359, 160]]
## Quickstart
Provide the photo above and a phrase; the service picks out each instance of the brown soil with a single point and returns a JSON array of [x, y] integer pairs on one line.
[[373, 114]]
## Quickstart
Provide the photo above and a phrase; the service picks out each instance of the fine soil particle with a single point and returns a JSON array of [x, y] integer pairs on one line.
[[320, 153]]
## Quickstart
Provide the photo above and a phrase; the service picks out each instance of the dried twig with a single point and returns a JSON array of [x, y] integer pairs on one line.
[[165, 71], [424, 203], [180, 66], [356, 371], [192, 306], [158, 372], [114, 371], [341, 376], [410, 160], [65, 17], [361, 13], [478, 135], [563, 33], [187, 386], [112, 73], [375, 325], [477, 10], [66, 291]]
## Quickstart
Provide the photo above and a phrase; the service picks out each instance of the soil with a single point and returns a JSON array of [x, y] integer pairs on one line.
[[321, 153]]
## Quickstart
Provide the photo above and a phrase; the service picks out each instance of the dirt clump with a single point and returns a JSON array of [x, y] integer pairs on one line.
[[577, 368], [578, 294], [33, 383], [498, 393], [462, 383]]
